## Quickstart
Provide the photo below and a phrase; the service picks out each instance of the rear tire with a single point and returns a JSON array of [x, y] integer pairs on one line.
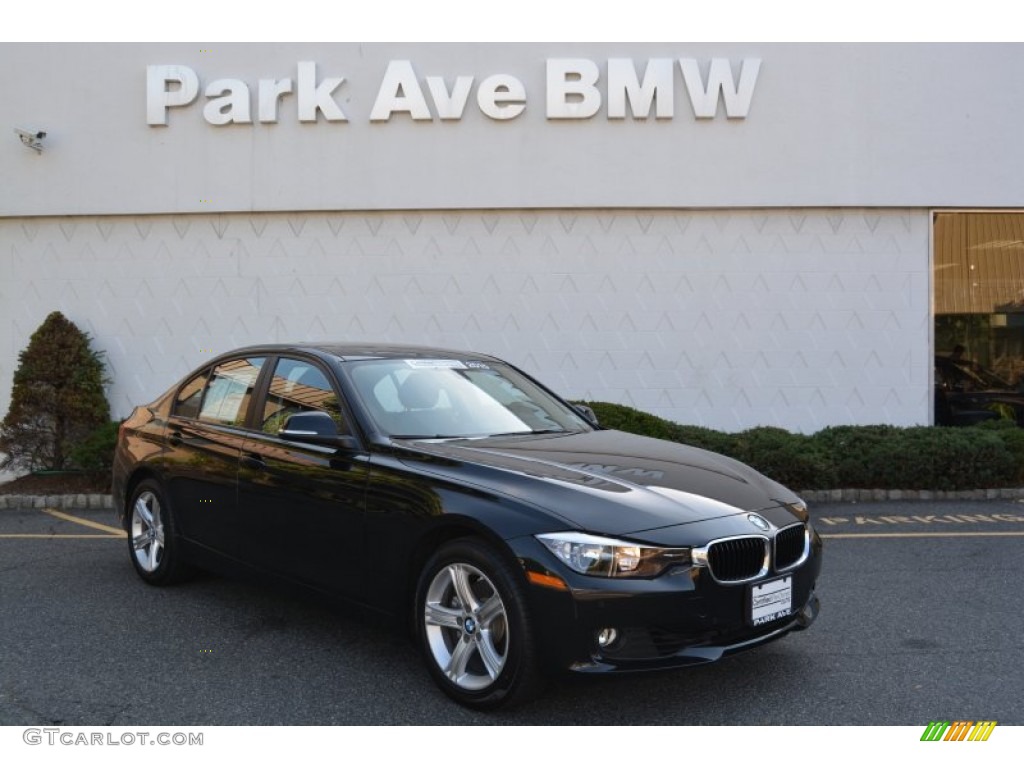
[[152, 543], [474, 627]]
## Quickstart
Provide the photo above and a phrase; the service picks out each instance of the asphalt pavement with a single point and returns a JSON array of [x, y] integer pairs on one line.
[[921, 620]]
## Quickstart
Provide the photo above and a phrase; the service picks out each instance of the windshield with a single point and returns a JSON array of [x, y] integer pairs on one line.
[[456, 398]]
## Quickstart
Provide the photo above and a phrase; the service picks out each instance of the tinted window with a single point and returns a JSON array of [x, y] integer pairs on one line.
[[190, 396], [297, 386], [230, 390]]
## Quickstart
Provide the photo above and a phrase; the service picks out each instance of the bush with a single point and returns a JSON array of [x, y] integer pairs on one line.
[[626, 419], [1013, 438], [708, 439], [879, 456], [860, 457], [95, 454], [57, 400], [951, 458], [622, 417], [792, 459]]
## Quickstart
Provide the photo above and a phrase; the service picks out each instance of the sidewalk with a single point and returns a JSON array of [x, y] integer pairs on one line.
[[65, 501], [105, 501]]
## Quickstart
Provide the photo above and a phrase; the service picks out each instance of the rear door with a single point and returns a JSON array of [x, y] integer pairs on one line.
[[205, 434]]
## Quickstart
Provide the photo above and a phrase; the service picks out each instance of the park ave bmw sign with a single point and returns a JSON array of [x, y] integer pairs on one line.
[[575, 90]]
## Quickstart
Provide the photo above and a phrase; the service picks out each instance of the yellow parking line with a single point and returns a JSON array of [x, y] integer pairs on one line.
[[122, 535], [88, 523], [922, 535]]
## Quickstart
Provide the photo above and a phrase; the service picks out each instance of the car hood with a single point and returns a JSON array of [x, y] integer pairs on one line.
[[604, 481]]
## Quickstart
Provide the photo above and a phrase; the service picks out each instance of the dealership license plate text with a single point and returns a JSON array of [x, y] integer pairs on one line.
[[771, 600]]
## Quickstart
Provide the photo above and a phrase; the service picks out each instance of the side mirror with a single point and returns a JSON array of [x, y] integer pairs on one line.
[[586, 412], [317, 428]]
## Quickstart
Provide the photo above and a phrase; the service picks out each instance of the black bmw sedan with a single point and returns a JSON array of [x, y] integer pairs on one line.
[[451, 490]]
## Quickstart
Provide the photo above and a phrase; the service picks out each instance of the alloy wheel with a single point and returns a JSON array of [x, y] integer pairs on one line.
[[466, 626], [147, 532]]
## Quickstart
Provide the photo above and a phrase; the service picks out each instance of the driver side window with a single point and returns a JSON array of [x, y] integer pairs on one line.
[[298, 386]]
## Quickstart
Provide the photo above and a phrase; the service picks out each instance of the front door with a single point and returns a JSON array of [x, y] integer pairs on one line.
[[303, 504]]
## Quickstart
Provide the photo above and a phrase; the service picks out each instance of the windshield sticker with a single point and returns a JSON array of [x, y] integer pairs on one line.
[[435, 364], [477, 364]]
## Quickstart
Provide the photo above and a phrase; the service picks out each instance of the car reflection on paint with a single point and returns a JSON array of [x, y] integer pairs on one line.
[[516, 536]]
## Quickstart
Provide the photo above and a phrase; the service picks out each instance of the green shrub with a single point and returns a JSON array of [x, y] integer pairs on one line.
[[917, 458], [626, 419], [877, 456], [95, 454], [952, 458], [790, 458], [859, 456], [1013, 438], [708, 439], [57, 399]]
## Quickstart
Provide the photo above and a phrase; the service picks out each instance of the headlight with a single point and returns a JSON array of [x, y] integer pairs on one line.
[[598, 556]]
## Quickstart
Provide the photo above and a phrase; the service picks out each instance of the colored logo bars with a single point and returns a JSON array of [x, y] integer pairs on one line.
[[961, 730]]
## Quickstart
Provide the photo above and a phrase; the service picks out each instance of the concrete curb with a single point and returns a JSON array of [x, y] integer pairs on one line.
[[106, 501], [65, 501], [884, 494]]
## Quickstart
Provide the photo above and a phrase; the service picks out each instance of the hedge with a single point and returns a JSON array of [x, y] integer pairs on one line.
[[877, 456]]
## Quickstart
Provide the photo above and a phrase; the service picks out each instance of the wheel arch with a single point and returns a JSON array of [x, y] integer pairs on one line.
[[131, 483], [450, 528]]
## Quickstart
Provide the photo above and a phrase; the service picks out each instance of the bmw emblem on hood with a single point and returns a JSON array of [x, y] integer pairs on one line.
[[758, 522]]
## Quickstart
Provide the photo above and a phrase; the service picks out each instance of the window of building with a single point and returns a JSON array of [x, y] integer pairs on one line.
[[979, 317]]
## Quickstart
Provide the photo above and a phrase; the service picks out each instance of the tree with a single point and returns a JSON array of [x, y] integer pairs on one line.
[[57, 400]]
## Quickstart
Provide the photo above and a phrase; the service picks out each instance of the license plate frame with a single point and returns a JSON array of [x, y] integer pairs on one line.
[[768, 601]]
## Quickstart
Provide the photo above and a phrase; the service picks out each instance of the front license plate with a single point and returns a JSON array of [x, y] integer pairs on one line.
[[771, 600]]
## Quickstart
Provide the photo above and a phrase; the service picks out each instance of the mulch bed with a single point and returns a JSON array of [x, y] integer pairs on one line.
[[55, 485]]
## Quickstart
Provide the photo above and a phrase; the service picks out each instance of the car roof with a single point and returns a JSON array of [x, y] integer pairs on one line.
[[363, 350]]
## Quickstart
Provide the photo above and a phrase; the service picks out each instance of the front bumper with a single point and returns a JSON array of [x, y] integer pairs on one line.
[[690, 650], [679, 619]]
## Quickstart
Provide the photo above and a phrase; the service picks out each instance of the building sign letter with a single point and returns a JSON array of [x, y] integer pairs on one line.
[[400, 92], [623, 87], [313, 97], [159, 97], [705, 100], [572, 89]]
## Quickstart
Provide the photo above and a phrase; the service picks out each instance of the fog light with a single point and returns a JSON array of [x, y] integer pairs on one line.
[[607, 636]]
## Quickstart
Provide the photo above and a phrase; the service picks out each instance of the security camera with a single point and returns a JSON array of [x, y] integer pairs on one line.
[[31, 140]]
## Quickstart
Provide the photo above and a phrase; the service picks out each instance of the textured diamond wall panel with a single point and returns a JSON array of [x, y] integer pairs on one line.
[[795, 318]]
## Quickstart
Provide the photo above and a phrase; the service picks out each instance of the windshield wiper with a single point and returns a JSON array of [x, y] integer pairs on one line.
[[531, 432], [521, 433]]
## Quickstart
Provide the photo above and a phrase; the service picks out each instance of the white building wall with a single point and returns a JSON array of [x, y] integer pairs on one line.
[[828, 125], [798, 318]]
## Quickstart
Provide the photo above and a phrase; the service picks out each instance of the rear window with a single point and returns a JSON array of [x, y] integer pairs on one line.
[[191, 396], [220, 396]]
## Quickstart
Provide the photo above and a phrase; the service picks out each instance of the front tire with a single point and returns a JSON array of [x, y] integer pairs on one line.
[[151, 541], [474, 627]]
